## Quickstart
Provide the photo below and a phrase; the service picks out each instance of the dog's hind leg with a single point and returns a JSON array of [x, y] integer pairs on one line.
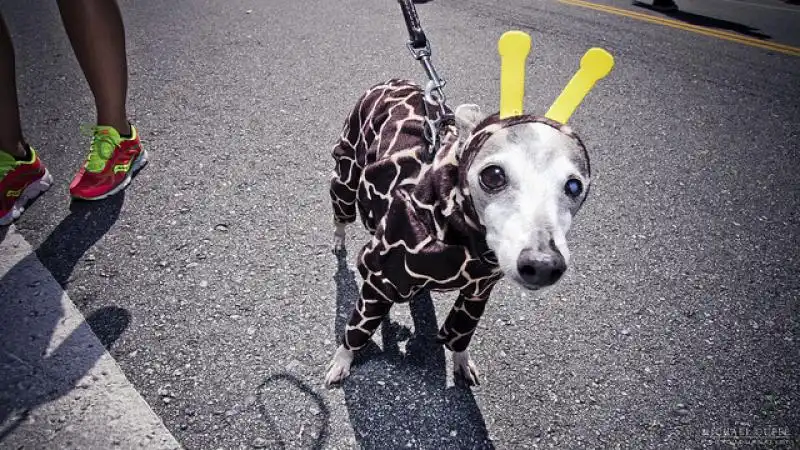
[[370, 310], [339, 235], [344, 183]]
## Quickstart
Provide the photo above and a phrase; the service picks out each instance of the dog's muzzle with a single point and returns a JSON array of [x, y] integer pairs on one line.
[[539, 269]]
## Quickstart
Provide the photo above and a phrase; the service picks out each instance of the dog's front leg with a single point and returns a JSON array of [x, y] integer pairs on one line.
[[370, 310], [457, 331], [339, 367], [464, 367]]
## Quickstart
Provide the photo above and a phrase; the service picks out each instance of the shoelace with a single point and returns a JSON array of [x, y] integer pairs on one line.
[[104, 140], [7, 164]]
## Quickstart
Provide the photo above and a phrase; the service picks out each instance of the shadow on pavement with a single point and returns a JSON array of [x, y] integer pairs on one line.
[[33, 318], [397, 398], [32, 376], [705, 21], [85, 225]]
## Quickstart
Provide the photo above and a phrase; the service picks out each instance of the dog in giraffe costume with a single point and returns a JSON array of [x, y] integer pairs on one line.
[[496, 199]]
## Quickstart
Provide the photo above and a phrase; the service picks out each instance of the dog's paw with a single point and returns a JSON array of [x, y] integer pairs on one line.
[[339, 237], [464, 368], [339, 368]]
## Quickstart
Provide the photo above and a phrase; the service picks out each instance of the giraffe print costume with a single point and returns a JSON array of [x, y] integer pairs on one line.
[[425, 231]]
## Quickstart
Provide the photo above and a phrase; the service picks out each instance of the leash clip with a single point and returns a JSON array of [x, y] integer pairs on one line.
[[434, 131], [432, 136], [419, 52], [433, 93]]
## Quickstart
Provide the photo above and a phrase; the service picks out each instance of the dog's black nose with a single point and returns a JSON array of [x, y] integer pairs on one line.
[[540, 269]]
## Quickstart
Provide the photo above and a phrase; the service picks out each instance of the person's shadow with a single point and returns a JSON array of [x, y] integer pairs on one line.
[[31, 374], [69, 241], [705, 21], [401, 399]]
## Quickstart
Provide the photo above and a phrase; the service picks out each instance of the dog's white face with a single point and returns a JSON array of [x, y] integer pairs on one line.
[[527, 182]]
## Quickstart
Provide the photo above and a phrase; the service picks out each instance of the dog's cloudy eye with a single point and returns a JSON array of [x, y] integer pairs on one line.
[[493, 178], [573, 188]]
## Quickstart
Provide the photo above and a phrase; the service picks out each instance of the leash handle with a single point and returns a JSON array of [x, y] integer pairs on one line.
[[421, 50], [417, 39]]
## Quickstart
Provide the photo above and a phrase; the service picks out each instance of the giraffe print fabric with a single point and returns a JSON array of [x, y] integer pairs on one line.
[[426, 234]]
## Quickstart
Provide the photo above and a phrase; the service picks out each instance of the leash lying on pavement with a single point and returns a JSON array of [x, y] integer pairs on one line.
[[434, 95]]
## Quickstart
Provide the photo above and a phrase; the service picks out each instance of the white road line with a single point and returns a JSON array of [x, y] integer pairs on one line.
[[59, 387]]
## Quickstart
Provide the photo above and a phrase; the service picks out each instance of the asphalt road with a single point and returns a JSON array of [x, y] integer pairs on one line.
[[678, 318]]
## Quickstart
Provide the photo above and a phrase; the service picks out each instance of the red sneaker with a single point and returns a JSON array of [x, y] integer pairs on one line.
[[111, 164], [20, 183]]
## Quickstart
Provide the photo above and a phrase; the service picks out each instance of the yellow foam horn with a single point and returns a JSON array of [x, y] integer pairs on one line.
[[513, 47], [595, 64]]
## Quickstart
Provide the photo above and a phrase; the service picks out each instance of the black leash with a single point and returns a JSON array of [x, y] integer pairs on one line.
[[421, 51]]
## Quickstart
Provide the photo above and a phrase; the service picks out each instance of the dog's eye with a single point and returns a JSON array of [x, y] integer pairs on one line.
[[493, 178], [573, 188]]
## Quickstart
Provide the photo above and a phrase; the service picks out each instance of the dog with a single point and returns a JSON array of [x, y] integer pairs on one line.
[[498, 198]]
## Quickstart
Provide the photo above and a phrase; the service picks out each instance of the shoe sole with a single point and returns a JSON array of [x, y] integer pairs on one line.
[[665, 9], [138, 165], [31, 193]]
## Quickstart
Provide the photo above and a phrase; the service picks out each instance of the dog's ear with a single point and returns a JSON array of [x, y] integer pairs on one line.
[[467, 117]]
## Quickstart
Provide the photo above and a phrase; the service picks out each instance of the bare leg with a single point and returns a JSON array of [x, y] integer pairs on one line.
[[97, 35], [11, 140]]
